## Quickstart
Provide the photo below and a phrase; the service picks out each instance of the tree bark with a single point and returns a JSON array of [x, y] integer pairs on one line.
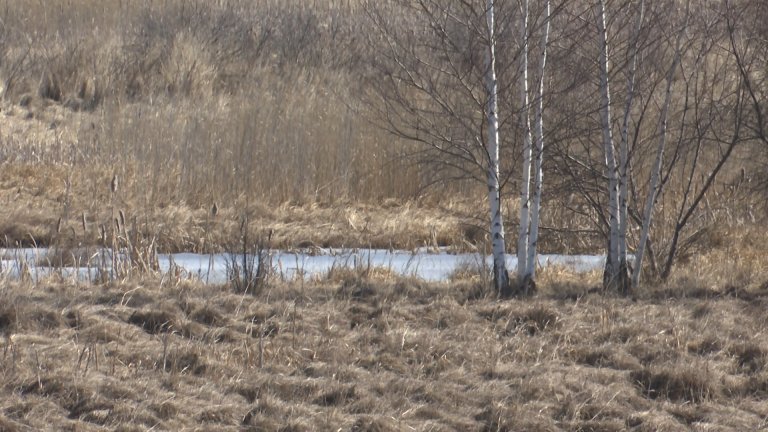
[[611, 275], [624, 152], [500, 274], [656, 173], [523, 275], [533, 236]]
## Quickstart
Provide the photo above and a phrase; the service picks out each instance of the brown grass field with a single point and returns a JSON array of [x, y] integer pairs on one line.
[[382, 354], [366, 350], [251, 106]]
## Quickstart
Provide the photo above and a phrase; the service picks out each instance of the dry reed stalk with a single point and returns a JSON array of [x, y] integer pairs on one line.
[[113, 223]]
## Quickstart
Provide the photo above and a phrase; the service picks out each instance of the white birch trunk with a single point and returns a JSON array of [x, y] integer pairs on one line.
[[653, 190], [525, 128], [624, 150], [500, 274], [611, 275], [533, 236]]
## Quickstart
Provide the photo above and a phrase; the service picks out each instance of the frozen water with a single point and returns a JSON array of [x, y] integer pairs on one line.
[[428, 265]]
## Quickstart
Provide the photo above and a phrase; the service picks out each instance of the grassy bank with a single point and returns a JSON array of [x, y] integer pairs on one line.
[[372, 351], [386, 355], [49, 203]]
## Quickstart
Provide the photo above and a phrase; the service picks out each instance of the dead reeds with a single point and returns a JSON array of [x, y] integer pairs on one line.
[[243, 104]]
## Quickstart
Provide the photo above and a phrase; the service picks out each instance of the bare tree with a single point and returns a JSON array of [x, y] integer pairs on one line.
[[612, 277], [656, 171], [750, 52], [437, 84], [642, 150], [624, 143], [524, 121], [707, 125], [721, 121], [500, 273], [455, 77], [538, 180]]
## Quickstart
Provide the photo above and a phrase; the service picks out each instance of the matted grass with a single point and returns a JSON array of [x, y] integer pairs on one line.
[[372, 354]]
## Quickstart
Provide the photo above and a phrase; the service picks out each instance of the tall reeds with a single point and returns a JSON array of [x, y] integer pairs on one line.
[[191, 100]]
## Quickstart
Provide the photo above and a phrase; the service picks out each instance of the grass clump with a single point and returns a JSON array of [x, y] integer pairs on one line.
[[154, 322], [679, 384], [750, 357]]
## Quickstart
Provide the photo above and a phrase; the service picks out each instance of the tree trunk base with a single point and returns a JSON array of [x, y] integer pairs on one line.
[[616, 278], [625, 282], [505, 289], [501, 282], [527, 286]]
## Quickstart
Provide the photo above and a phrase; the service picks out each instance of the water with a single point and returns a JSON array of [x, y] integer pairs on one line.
[[427, 265]]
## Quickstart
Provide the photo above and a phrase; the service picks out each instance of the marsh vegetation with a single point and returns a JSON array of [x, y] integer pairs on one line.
[[240, 126]]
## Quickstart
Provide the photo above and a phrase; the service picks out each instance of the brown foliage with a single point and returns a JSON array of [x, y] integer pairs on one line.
[[373, 355]]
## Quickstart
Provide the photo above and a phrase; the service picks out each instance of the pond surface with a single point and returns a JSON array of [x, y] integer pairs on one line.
[[424, 264]]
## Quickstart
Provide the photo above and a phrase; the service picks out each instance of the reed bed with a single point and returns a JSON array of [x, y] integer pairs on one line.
[[257, 107]]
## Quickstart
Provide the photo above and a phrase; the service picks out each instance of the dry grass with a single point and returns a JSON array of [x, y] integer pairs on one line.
[[246, 105], [37, 197], [376, 354], [254, 106], [36, 201], [187, 100]]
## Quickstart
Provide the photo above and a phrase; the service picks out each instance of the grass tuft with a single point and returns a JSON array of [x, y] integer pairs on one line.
[[8, 318], [374, 424], [154, 322], [681, 384], [750, 357]]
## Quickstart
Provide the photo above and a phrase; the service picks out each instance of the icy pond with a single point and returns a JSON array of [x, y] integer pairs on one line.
[[425, 264]]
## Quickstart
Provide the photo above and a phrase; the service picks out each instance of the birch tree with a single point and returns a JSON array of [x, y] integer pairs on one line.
[[624, 145], [538, 180], [500, 273], [601, 175], [653, 189], [612, 276], [465, 81], [437, 85], [532, 146], [530, 203], [523, 273], [616, 276]]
